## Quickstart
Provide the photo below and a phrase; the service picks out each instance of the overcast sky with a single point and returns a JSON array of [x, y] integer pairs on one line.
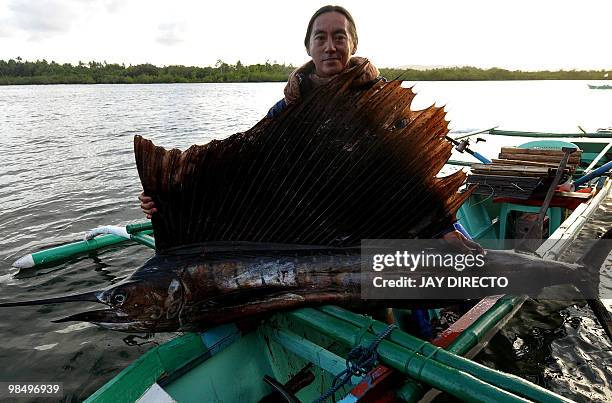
[[528, 35]]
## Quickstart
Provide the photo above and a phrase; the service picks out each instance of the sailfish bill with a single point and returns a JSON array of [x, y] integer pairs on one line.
[[88, 296]]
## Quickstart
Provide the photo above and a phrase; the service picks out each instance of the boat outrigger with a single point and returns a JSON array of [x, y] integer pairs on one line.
[[299, 355], [600, 87]]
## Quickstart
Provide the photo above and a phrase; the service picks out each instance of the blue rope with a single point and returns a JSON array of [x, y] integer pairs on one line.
[[359, 361]]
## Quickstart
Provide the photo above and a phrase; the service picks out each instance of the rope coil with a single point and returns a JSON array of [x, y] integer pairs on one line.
[[359, 361]]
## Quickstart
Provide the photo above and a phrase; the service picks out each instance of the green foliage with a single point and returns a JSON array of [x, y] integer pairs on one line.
[[17, 71], [42, 72], [468, 73]]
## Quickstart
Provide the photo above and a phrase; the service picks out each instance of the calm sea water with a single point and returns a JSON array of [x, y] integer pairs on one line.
[[66, 166]]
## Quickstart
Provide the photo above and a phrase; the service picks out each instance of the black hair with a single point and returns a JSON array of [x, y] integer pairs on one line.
[[329, 9]]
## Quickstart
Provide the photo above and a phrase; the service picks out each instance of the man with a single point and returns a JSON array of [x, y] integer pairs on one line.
[[331, 41]]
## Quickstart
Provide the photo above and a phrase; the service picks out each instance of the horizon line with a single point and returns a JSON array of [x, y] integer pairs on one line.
[[418, 67]]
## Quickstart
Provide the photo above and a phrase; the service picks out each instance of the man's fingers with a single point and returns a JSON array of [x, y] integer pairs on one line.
[[147, 206], [476, 246], [462, 243], [459, 245]]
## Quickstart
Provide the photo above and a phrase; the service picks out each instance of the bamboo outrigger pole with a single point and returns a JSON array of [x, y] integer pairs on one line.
[[108, 235]]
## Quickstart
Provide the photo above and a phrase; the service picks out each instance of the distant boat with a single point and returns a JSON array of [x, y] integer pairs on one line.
[[600, 87]]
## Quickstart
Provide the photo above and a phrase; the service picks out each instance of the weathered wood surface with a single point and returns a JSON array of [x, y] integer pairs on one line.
[[573, 159], [514, 170], [537, 151], [519, 187], [524, 162]]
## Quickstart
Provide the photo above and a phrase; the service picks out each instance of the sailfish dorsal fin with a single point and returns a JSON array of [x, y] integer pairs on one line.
[[332, 169]]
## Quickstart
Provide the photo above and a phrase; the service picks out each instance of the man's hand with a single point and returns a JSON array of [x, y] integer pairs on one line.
[[459, 241], [147, 205]]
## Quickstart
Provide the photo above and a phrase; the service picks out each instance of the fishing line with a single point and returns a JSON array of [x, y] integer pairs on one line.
[[332, 204], [381, 171], [403, 196], [329, 127], [385, 174], [310, 110], [284, 127], [487, 198]]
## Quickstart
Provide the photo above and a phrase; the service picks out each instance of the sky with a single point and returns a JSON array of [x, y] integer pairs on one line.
[[525, 35]]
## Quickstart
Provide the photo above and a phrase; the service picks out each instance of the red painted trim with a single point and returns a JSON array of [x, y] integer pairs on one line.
[[376, 385], [567, 202], [445, 338]]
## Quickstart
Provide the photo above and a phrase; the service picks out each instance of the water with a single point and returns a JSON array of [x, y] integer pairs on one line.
[[558, 344], [66, 166]]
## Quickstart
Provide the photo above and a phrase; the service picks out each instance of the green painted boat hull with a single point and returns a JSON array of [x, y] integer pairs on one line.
[[224, 365], [236, 372]]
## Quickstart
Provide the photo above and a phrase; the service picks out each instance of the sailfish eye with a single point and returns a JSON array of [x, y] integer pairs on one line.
[[118, 298]]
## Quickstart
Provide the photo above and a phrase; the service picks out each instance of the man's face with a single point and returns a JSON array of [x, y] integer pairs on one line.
[[330, 44]]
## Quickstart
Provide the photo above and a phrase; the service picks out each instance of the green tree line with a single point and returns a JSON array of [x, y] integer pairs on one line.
[[44, 72], [18, 71], [493, 74]]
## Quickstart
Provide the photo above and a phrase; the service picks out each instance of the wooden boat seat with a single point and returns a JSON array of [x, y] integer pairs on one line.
[[543, 153]]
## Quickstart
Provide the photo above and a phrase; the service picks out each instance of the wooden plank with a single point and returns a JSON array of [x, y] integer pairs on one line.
[[574, 159], [523, 162], [537, 151], [503, 179], [519, 187], [511, 172], [575, 195], [514, 170], [501, 167]]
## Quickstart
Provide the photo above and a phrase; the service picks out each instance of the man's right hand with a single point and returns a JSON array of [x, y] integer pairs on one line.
[[147, 205]]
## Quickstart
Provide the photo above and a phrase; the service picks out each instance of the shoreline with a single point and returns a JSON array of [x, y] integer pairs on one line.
[[86, 82], [41, 72]]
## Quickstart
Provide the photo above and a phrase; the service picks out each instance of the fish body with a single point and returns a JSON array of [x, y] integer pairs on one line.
[[196, 290]]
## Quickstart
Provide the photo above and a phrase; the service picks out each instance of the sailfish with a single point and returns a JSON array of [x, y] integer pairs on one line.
[[272, 218]]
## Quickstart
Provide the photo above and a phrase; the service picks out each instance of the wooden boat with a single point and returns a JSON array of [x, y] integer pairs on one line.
[[297, 355]]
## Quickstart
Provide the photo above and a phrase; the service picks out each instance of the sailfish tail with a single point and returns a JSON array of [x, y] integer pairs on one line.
[[593, 261]]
